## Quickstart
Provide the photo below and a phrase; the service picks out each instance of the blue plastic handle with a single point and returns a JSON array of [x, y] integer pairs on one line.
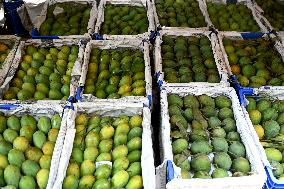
[[9, 106], [170, 171], [252, 35]]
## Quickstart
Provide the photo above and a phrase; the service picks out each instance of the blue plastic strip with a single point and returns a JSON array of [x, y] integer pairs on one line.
[[157, 74], [97, 36], [152, 36], [71, 99], [252, 35], [160, 83], [35, 35], [69, 107], [232, 1], [158, 33], [8, 106], [170, 171], [150, 100], [149, 105], [244, 91], [78, 93]]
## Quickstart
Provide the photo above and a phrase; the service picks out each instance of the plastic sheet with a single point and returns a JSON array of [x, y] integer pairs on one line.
[[8, 39]]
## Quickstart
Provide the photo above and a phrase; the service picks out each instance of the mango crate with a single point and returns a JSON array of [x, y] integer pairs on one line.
[[38, 64], [265, 141], [189, 57], [241, 21], [124, 19], [38, 130], [42, 24], [6, 58], [170, 14], [109, 111], [170, 137], [274, 22], [122, 60], [248, 57]]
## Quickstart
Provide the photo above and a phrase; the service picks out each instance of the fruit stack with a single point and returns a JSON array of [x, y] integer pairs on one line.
[[27, 143], [273, 12], [233, 17], [117, 72], [255, 62], [180, 13], [43, 71], [265, 116], [127, 18], [208, 135], [67, 18], [188, 56], [107, 150]]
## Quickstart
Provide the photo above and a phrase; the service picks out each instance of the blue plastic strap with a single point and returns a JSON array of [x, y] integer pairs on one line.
[[8, 106], [78, 93], [97, 36], [150, 100], [157, 74], [152, 35], [69, 107], [158, 33], [71, 99], [244, 91], [252, 35], [149, 105], [170, 171], [160, 83], [35, 35], [232, 1]]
